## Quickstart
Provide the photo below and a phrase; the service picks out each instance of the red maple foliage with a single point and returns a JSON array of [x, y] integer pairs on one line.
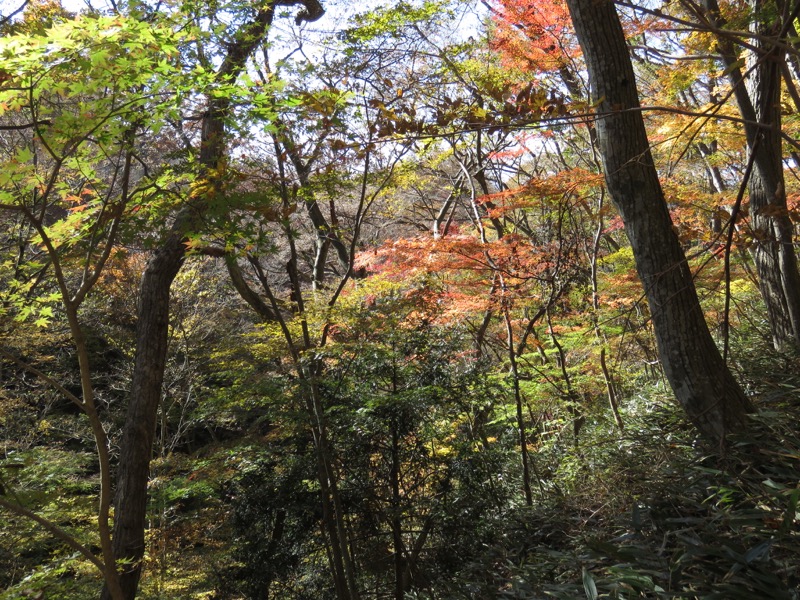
[[533, 36]]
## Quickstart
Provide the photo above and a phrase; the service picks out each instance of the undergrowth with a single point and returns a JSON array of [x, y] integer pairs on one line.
[[654, 512], [651, 511]]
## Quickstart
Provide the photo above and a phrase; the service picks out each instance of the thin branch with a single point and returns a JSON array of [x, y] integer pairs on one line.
[[11, 15], [46, 378], [55, 530]]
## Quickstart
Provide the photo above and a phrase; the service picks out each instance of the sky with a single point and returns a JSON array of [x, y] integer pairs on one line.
[[336, 11]]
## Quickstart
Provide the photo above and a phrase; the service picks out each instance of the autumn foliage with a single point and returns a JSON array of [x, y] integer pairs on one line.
[[399, 345]]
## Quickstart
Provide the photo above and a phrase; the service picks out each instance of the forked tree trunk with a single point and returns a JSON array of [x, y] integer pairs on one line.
[[692, 363]]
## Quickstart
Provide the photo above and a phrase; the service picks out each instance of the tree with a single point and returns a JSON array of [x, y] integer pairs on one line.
[[757, 93], [410, 407], [79, 90], [71, 99], [419, 228], [701, 381], [153, 319]]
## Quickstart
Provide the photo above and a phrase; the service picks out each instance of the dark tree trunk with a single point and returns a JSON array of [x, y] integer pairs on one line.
[[775, 259], [759, 105], [692, 363], [396, 519], [137, 439]]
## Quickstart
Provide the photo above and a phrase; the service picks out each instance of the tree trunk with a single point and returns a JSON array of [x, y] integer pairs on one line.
[[333, 522], [521, 431], [137, 438], [396, 513], [775, 259], [333, 518], [759, 106], [692, 363]]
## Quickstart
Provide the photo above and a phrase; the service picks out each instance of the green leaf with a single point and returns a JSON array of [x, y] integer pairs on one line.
[[790, 515], [588, 584], [24, 155]]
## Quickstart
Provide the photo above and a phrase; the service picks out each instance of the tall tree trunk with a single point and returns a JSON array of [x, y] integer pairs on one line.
[[308, 371], [343, 567], [137, 439], [775, 259], [521, 430], [136, 448], [759, 105], [692, 363], [396, 518]]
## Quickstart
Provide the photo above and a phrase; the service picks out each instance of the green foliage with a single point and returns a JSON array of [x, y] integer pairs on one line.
[[78, 76], [59, 485], [274, 513], [657, 516], [391, 21], [71, 101]]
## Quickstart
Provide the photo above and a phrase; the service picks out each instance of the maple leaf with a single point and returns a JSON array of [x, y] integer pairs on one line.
[[533, 36]]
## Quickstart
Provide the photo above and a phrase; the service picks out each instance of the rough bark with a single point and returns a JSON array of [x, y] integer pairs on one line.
[[758, 99], [137, 439], [775, 259], [692, 363], [136, 447]]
